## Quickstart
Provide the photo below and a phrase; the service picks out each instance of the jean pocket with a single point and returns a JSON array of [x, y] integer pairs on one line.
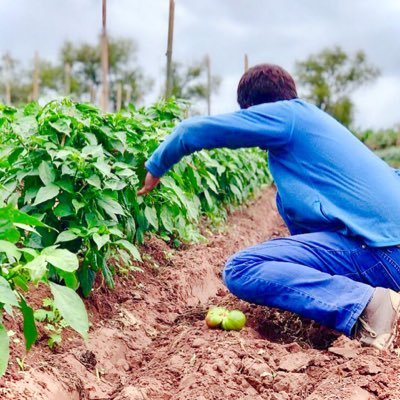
[[380, 275]]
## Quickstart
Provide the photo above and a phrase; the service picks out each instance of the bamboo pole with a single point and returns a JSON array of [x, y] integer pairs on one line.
[[119, 97], [8, 93], [67, 78], [7, 64], [208, 67], [104, 60], [36, 78], [92, 92], [128, 95], [168, 83], [246, 63]]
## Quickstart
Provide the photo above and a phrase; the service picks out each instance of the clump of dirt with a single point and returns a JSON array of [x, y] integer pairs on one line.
[[149, 340]]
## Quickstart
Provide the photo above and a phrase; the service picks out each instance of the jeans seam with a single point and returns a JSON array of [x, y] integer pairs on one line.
[[300, 292], [389, 276], [318, 247], [389, 260]]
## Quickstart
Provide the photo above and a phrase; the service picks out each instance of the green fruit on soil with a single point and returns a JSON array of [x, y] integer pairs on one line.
[[215, 316], [234, 321]]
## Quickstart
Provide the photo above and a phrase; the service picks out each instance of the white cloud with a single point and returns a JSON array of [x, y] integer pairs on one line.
[[280, 32], [378, 105]]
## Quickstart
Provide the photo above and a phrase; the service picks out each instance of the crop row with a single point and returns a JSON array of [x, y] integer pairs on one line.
[[68, 181]]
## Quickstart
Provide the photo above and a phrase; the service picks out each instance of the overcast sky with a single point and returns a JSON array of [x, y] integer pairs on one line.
[[279, 32]]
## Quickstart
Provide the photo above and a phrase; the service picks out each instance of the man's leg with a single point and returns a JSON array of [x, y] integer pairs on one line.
[[323, 276]]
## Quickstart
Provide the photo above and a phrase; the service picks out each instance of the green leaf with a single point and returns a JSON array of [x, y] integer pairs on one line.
[[30, 331], [101, 240], [66, 184], [13, 157], [103, 167], [9, 232], [70, 279], [10, 249], [77, 205], [167, 219], [66, 236], [130, 247], [37, 268], [94, 180], [46, 173], [10, 213], [110, 206], [151, 216], [115, 184], [62, 126], [25, 126], [71, 308], [63, 210], [107, 275], [21, 282], [25, 227], [4, 350], [7, 296], [86, 278], [62, 259], [46, 193], [94, 151]]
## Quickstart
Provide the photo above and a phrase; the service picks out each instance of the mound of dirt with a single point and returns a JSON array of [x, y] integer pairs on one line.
[[149, 341]]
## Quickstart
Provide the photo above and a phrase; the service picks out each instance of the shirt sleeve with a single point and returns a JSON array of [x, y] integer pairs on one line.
[[265, 126]]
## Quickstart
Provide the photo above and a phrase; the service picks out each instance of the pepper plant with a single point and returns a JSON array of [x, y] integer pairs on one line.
[[78, 170]]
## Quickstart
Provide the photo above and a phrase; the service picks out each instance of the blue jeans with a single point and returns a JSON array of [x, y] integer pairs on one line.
[[324, 276]]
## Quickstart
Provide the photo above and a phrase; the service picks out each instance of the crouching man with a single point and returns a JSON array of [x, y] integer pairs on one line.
[[340, 202]]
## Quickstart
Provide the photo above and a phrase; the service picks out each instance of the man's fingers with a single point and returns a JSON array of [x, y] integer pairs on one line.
[[150, 183]]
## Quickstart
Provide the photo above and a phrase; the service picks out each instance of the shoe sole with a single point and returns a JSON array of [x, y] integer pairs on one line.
[[385, 341], [395, 299]]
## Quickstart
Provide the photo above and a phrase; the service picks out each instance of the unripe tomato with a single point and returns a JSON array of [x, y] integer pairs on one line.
[[234, 321], [215, 316]]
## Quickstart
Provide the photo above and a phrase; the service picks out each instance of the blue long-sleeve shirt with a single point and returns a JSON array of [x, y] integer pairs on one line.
[[327, 180]]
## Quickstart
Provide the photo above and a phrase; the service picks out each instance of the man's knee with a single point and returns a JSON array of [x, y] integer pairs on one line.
[[238, 269]]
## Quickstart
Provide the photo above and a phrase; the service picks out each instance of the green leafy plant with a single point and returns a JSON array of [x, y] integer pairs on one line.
[[22, 266], [78, 171], [68, 182], [55, 323]]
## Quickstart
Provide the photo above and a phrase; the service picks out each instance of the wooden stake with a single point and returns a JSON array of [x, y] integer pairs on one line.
[[246, 63], [104, 60], [36, 78], [67, 78], [208, 85], [168, 83], [8, 93], [7, 65], [119, 97], [128, 95], [92, 93]]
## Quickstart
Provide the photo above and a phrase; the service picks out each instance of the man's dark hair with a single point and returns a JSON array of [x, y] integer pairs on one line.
[[265, 83]]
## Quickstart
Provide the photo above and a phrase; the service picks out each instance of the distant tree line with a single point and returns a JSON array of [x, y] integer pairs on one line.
[[327, 79], [77, 73]]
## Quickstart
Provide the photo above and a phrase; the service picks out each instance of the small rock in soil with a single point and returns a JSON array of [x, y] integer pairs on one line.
[[131, 393], [344, 352], [294, 362]]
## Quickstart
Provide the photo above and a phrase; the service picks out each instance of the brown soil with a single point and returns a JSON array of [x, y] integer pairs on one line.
[[149, 341]]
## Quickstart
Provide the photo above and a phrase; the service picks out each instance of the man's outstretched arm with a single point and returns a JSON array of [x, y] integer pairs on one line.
[[264, 126]]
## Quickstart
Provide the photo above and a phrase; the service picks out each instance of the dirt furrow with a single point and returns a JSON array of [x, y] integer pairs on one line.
[[149, 340]]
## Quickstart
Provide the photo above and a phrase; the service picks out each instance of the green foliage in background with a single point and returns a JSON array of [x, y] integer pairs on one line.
[[385, 143], [329, 77]]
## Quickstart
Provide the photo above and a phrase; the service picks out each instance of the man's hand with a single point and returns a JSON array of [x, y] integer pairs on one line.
[[150, 183]]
